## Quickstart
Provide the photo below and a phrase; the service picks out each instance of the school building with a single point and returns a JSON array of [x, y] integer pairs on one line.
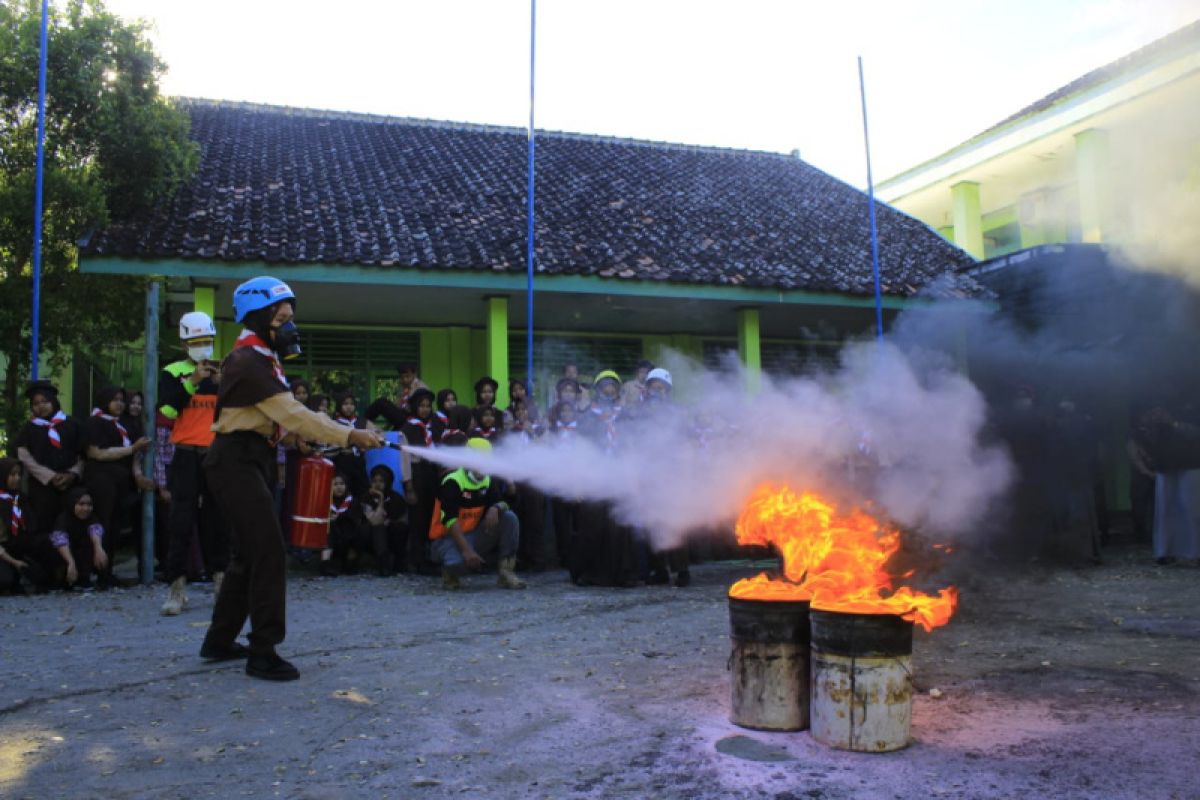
[[405, 240]]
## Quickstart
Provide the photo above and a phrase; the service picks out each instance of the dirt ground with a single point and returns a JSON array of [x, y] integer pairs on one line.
[[1058, 683]]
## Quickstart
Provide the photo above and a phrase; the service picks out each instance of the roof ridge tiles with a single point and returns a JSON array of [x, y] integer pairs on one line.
[[479, 127]]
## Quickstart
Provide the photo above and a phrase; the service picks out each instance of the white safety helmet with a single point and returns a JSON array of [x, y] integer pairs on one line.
[[197, 332], [196, 325], [659, 374]]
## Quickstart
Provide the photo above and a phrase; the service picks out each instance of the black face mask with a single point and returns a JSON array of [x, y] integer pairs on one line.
[[287, 341]]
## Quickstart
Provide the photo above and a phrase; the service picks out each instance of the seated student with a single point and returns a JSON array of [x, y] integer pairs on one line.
[[517, 393], [566, 391], [50, 446], [346, 529], [78, 539], [109, 470], [460, 421], [472, 521], [486, 424], [384, 512], [319, 403], [349, 461], [563, 422], [16, 550]]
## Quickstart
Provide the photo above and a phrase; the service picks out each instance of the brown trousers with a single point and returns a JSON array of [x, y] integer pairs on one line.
[[241, 472]]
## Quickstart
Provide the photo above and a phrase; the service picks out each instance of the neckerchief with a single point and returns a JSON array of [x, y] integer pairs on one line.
[[120, 428], [17, 522], [486, 433], [342, 507], [249, 338], [52, 424], [442, 416], [351, 421], [450, 432], [608, 415], [425, 427], [565, 427]]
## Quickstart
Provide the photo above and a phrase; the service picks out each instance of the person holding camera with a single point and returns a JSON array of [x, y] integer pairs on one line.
[[187, 395]]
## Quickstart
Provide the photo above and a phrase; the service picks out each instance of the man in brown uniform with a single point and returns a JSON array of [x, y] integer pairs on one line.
[[254, 408]]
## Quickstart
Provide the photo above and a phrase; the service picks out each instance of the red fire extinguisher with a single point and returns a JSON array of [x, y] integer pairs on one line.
[[310, 503]]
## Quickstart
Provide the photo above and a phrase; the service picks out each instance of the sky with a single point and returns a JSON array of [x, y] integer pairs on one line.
[[775, 75]]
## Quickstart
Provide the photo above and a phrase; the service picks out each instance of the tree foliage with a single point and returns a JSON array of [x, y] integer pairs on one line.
[[114, 148]]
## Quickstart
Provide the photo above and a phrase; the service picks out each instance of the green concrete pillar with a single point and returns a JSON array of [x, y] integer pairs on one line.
[[462, 375], [435, 358], [1095, 191], [497, 346], [968, 217], [750, 347], [205, 299]]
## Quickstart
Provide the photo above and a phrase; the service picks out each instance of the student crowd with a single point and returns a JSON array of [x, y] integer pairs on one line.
[[76, 485]]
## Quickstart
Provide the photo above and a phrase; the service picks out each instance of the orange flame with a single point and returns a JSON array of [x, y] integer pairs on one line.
[[837, 561]]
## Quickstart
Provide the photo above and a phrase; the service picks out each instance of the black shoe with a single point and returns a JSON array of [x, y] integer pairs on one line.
[[223, 652], [658, 577], [327, 570], [683, 579], [270, 667]]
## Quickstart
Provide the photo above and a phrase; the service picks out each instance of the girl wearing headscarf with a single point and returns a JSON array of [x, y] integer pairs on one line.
[[16, 551], [50, 447], [78, 538], [447, 400], [109, 473], [421, 489]]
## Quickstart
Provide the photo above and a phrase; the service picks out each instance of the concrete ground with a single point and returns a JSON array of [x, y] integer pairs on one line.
[[1054, 683]]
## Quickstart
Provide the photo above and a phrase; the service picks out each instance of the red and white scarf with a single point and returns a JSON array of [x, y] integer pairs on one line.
[[486, 433], [120, 428], [341, 508], [350, 421], [17, 521], [249, 338], [52, 424], [448, 432], [561, 427], [425, 427], [442, 416]]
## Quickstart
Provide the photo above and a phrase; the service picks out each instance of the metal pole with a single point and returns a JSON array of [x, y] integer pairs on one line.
[[862, 90], [35, 342], [150, 403], [529, 256]]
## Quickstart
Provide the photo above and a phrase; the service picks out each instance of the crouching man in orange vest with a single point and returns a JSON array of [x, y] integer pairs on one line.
[[470, 522]]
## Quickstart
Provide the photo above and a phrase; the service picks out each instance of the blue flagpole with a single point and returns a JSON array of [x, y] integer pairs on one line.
[[862, 90], [35, 341], [529, 209]]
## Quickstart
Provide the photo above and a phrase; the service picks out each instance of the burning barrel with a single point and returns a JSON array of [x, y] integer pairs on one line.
[[861, 681], [769, 663]]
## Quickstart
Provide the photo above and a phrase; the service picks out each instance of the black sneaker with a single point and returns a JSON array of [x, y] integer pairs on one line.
[[270, 667], [683, 579], [223, 652]]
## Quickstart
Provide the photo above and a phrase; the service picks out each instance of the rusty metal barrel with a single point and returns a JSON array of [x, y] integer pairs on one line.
[[769, 664], [861, 681]]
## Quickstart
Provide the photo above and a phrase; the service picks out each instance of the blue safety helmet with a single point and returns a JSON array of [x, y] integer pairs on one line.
[[260, 292]]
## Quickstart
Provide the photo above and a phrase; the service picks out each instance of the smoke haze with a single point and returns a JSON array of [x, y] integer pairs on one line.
[[899, 433]]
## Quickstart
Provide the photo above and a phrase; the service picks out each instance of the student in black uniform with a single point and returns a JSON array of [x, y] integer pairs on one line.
[[109, 473], [254, 402], [50, 446], [350, 460], [16, 551], [346, 529], [384, 512]]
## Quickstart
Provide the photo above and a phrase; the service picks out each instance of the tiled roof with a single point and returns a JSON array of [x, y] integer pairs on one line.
[[1184, 40], [289, 186]]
